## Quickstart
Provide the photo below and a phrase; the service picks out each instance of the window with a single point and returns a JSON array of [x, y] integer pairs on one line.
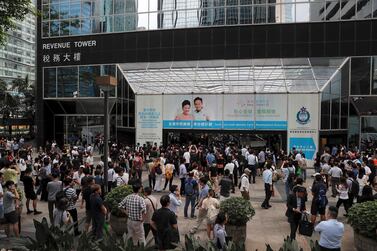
[[67, 81], [360, 76]]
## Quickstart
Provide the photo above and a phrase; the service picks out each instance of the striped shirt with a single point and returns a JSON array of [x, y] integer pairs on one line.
[[70, 193]]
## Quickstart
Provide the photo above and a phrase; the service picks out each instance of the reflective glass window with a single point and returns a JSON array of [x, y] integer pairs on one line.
[[142, 5], [54, 28], [119, 23], [232, 15], [64, 10], [75, 10], [333, 10], [45, 12], [369, 124], [364, 9], [153, 20], [325, 108], [130, 22], [335, 112], [95, 25], [45, 29], [64, 28], [67, 81], [75, 27], [374, 83], [260, 15], [246, 14], [119, 6], [288, 13], [302, 12], [360, 76], [272, 13], [49, 82], [87, 81], [317, 11], [54, 11], [86, 8], [131, 5], [143, 20], [107, 25], [348, 9], [85, 26]]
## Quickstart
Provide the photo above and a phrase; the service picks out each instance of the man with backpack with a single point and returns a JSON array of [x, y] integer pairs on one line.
[[191, 192], [319, 201]]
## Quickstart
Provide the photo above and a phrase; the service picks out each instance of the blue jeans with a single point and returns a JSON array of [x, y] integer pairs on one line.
[[190, 199]]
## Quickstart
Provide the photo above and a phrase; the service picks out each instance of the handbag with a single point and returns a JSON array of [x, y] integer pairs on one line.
[[305, 227]]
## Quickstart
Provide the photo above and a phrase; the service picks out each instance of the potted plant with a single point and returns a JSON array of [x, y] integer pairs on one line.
[[118, 219], [239, 212], [363, 219]]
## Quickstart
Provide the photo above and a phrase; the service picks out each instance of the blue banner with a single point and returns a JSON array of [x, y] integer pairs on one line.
[[306, 145], [246, 124], [271, 125], [177, 124]]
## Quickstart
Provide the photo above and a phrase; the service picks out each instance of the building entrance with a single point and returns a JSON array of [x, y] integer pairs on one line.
[[274, 140]]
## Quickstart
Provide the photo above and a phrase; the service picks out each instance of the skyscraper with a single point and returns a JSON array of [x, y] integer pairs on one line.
[[17, 56]]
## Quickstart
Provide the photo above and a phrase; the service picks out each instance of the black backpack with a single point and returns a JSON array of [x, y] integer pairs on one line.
[[158, 170], [354, 188], [61, 194]]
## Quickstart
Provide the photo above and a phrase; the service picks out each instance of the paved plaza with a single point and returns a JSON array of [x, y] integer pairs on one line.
[[267, 226]]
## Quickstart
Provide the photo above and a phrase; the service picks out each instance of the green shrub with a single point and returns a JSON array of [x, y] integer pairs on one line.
[[363, 218], [239, 210], [116, 195]]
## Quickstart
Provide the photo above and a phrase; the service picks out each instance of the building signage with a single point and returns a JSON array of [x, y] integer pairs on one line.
[[65, 52], [303, 124], [148, 119]]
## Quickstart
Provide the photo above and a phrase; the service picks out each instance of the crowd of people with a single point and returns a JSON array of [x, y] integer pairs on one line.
[[68, 178]]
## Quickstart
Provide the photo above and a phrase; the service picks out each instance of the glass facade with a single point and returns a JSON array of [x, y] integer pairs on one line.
[[78, 17], [17, 56], [75, 81]]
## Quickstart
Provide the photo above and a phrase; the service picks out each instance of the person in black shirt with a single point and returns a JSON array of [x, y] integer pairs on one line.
[[226, 184], [86, 192], [30, 192], [98, 211], [316, 208], [164, 222]]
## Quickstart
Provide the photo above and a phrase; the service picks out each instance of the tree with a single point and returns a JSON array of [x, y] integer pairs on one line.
[[11, 10]]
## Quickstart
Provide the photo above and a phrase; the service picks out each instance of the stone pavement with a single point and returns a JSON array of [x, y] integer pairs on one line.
[[267, 226]]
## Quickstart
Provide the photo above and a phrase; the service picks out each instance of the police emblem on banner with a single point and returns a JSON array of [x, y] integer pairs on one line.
[[303, 116]]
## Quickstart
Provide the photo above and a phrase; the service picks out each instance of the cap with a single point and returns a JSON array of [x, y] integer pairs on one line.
[[247, 170], [316, 174]]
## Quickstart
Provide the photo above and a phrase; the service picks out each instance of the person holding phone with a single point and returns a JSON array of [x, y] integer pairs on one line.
[[11, 198]]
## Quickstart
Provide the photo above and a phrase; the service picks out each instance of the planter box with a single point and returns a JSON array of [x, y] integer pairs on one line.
[[118, 224], [238, 233], [363, 243]]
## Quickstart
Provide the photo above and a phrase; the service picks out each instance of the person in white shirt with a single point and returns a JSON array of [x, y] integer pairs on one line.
[[186, 156], [335, 172], [77, 176], [110, 177], [120, 177], [252, 162], [331, 231], [267, 179], [245, 184], [343, 189]]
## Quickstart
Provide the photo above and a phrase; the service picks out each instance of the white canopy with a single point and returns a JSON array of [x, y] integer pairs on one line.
[[287, 75]]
